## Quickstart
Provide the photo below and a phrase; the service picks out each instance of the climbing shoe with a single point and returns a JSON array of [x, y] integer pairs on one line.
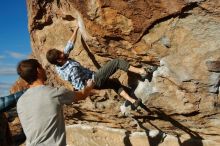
[[148, 73]]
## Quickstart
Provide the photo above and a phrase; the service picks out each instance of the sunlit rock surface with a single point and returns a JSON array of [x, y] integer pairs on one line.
[[181, 36]]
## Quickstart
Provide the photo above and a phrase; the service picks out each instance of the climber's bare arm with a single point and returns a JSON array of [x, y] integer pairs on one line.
[[70, 44], [73, 37]]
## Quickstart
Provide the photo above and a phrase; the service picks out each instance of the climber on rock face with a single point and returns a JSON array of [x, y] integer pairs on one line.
[[71, 70]]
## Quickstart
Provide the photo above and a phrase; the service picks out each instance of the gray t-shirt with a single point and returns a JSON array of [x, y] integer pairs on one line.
[[41, 114]]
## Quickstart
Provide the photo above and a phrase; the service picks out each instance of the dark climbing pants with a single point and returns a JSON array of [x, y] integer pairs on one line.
[[101, 77]]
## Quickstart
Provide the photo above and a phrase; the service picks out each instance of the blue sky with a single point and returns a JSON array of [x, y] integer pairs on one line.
[[14, 41]]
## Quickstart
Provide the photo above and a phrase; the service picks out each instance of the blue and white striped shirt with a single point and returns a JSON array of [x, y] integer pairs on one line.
[[72, 71]]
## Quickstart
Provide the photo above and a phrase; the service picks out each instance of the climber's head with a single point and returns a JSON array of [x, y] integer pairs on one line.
[[56, 57]]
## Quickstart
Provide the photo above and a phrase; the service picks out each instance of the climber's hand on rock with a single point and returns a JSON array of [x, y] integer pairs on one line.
[[90, 83]]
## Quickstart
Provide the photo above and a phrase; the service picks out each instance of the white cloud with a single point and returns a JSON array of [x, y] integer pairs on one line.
[[8, 70], [17, 55], [4, 88], [2, 57], [4, 85]]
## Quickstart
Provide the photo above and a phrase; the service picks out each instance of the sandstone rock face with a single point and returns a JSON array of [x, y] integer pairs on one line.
[[96, 136], [181, 36]]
